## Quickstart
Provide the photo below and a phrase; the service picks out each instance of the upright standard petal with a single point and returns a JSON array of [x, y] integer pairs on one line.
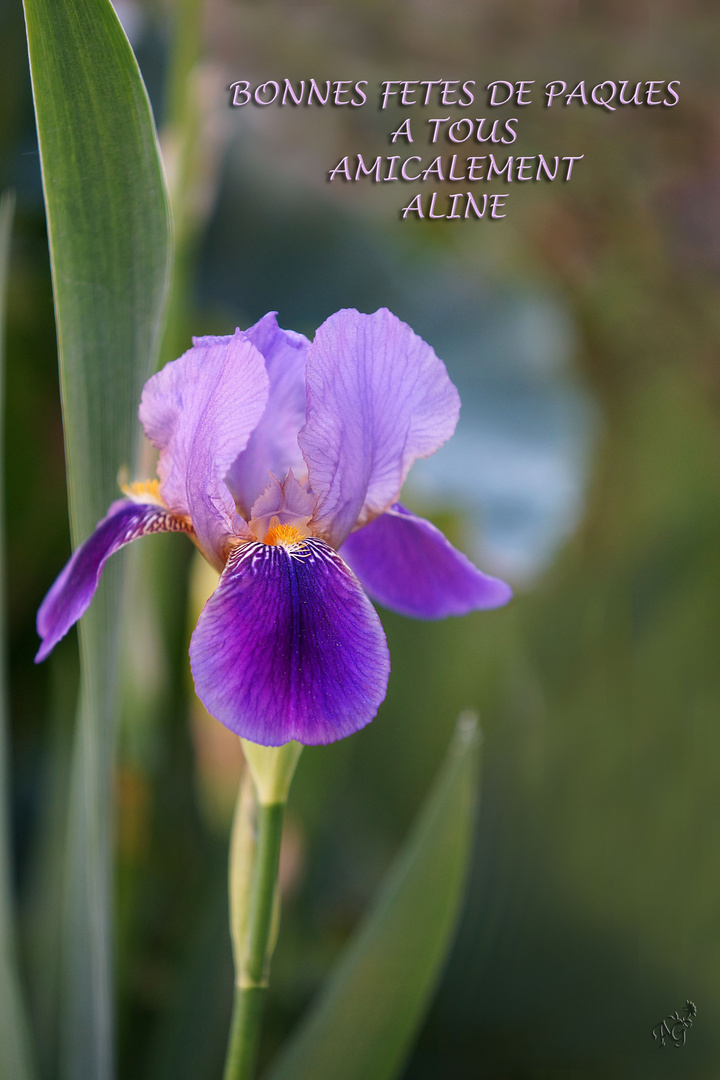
[[71, 594], [288, 503], [406, 564], [273, 444], [289, 646], [199, 411], [377, 398]]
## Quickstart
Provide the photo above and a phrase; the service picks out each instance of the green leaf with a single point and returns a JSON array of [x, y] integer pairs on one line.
[[108, 230], [15, 1062], [365, 1020]]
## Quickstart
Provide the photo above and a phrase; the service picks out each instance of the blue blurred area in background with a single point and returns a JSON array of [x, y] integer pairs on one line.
[[517, 467]]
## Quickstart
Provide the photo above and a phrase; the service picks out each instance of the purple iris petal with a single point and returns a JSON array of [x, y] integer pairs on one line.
[[273, 444], [289, 647], [377, 398], [200, 411], [71, 594], [406, 564]]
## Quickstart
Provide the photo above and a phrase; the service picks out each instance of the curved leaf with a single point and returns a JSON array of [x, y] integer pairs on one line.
[[108, 230], [365, 1019]]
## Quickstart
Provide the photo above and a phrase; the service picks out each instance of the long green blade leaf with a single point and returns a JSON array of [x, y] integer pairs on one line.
[[363, 1025], [108, 233], [14, 1049]]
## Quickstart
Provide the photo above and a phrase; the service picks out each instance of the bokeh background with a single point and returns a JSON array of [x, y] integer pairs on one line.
[[582, 332]]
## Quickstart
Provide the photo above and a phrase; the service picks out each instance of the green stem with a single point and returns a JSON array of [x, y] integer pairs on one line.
[[180, 138], [14, 1044], [185, 53], [252, 973]]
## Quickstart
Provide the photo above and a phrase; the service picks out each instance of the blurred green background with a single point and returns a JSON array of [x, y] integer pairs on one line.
[[583, 334]]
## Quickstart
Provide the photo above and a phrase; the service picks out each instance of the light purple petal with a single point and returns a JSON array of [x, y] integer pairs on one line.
[[289, 647], [273, 444], [200, 411], [71, 594], [406, 564], [288, 501], [377, 399]]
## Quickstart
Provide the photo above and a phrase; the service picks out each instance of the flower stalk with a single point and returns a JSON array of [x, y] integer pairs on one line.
[[254, 902]]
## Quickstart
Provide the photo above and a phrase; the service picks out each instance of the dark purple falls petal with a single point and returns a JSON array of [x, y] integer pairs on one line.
[[406, 564], [71, 594], [289, 647]]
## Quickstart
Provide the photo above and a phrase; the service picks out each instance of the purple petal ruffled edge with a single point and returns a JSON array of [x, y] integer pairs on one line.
[[289, 647], [73, 590], [377, 398], [199, 412], [406, 564], [273, 445]]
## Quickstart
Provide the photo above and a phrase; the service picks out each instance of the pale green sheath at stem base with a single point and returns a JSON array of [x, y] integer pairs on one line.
[[254, 862]]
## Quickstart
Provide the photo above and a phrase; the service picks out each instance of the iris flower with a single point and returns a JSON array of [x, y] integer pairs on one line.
[[275, 454]]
